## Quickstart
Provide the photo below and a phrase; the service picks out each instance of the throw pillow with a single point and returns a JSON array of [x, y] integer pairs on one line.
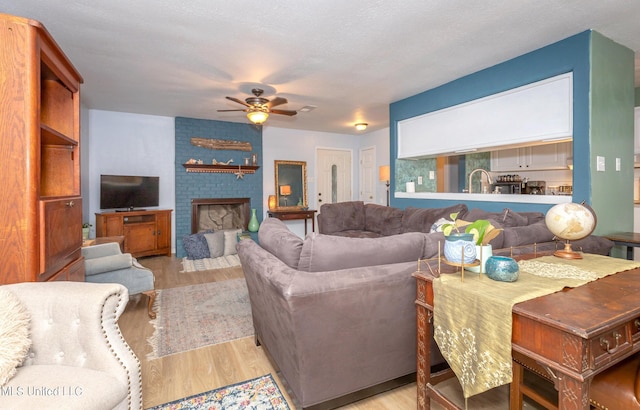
[[511, 218], [275, 237], [196, 246], [14, 335], [230, 241], [215, 242]]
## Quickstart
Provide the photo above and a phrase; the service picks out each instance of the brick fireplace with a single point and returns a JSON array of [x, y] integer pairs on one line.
[[193, 186]]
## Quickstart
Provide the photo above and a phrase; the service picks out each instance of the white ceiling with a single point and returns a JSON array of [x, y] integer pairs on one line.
[[350, 59]]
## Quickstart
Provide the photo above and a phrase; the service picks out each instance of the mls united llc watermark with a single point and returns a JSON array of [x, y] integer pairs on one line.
[[43, 391]]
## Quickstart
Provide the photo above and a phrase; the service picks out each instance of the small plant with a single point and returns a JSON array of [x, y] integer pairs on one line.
[[447, 228], [483, 231]]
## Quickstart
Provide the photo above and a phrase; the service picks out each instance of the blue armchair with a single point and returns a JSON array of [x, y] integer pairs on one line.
[[105, 263]]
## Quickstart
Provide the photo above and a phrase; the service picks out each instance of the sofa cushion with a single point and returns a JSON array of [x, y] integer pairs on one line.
[[525, 235], [341, 216], [422, 219], [277, 239], [507, 218], [14, 334], [384, 220], [329, 252]]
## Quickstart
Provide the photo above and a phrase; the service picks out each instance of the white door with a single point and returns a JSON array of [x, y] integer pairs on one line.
[[368, 175], [334, 176]]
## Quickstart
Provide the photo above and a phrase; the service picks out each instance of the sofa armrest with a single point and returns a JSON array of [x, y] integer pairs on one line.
[[107, 263], [98, 251], [75, 324]]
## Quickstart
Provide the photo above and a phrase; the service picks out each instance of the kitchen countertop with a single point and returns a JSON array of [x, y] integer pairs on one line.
[[531, 199]]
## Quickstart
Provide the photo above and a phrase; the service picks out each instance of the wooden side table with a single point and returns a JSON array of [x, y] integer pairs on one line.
[[628, 239], [288, 215]]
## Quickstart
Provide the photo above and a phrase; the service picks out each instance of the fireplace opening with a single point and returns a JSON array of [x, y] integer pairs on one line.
[[219, 213]]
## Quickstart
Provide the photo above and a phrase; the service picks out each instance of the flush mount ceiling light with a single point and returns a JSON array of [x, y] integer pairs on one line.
[[361, 126], [257, 115]]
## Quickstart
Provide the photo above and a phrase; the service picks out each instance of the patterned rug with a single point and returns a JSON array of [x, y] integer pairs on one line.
[[261, 393], [193, 265], [191, 317]]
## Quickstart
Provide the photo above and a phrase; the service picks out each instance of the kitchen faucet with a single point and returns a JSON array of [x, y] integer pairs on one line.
[[482, 171]]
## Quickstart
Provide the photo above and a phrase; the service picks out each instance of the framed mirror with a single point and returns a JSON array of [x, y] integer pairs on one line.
[[291, 184]]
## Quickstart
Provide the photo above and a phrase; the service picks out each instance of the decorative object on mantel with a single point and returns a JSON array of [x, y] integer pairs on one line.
[[254, 159], [570, 222], [219, 169], [239, 174], [215, 162], [193, 161], [229, 145]]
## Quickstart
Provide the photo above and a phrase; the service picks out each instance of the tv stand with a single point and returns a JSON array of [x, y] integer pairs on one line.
[[146, 233]]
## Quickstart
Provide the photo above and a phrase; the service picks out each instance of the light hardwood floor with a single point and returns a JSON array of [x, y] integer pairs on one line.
[[172, 377]]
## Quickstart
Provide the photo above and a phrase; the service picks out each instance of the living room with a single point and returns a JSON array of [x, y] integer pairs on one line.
[[118, 139]]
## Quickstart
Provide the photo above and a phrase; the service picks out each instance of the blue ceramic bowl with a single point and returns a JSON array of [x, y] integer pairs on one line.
[[502, 268]]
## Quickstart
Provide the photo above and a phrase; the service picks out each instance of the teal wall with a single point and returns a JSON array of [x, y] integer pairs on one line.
[[612, 102], [573, 54]]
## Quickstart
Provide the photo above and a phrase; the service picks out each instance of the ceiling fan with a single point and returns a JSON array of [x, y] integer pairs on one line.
[[259, 108]]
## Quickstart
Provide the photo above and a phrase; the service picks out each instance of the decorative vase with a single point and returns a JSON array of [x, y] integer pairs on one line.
[[502, 268], [456, 243], [483, 253], [253, 222], [85, 234]]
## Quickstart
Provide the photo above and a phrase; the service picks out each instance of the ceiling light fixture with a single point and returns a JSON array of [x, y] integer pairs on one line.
[[361, 126], [257, 115]]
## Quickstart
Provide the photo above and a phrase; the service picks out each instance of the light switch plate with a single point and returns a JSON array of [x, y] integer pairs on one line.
[[419, 180], [600, 163], [618, 165], [432, 175]]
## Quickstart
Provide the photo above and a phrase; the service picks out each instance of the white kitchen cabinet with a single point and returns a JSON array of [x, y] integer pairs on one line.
[[538, 157]]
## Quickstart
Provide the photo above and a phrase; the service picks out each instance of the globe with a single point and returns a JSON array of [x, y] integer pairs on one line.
[[570, 222]]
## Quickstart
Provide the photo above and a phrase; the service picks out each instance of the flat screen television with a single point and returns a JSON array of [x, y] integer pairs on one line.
[[128, 192]]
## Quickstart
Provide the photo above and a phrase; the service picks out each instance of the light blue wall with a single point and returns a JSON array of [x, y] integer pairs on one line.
[[126, 144]]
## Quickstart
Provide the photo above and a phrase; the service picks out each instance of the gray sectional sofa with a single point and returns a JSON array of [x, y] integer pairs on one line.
[[335, 311]]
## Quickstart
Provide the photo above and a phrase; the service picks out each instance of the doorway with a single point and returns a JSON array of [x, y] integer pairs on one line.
[[334, 175]]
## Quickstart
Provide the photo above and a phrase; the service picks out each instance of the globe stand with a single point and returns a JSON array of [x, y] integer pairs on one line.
[[567, 252]]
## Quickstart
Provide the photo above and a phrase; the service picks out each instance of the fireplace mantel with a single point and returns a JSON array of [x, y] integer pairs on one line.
[[221, 169]]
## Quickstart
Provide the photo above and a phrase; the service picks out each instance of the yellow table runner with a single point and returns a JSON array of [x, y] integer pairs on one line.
[[472, 318]]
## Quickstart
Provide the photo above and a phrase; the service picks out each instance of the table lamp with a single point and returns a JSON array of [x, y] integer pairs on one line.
[[285, 191], [272, 204], [385, 176]]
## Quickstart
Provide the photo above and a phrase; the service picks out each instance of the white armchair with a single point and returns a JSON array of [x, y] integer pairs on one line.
[[105, 263], [78, 358]]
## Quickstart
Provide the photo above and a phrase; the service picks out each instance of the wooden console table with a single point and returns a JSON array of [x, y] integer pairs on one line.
[[572, 334], [628, 239], [288, 215]]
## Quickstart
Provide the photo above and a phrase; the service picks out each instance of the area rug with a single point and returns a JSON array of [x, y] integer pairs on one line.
[[193, 265], [261, 393], [191, 317]]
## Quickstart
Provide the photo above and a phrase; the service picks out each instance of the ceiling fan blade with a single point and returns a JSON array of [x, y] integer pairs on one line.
[[276, 101], [238, 101], [230, 110], [284, 112]]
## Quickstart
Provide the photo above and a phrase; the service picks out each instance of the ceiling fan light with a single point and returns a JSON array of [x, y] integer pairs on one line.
[[361, 126], [257, 116]]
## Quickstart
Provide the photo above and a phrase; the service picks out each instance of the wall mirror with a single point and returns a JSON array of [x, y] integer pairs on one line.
[[291, 184]]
